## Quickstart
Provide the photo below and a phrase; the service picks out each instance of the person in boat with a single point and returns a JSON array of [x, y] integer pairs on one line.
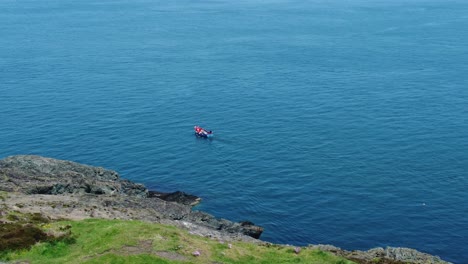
[[202, 132]]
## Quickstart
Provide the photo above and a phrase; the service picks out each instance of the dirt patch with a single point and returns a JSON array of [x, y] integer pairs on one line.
[[143, 247], [146, 247]]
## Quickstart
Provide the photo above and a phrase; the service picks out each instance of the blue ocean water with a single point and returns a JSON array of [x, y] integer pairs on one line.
[[336, 122]]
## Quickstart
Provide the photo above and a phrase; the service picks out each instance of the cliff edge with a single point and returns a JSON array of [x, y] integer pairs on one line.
[[59, 189], [62, 189]]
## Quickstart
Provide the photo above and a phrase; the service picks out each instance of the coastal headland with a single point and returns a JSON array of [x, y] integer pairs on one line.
[[56, 190]]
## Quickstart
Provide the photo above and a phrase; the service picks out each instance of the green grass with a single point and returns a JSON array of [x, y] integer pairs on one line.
[[117, 241]]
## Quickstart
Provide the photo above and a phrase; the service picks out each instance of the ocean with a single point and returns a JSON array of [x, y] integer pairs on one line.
[[339, 122]]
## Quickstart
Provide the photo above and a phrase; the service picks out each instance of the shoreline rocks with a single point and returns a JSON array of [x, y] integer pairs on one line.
[[389, 255], [177, 196], [59, 189], [71, 190], [39, 175]]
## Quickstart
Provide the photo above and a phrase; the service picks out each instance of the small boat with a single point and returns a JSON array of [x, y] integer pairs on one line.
[[201, 132]]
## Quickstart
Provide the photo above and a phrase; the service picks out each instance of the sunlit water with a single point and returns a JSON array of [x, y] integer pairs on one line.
[[336, 122]]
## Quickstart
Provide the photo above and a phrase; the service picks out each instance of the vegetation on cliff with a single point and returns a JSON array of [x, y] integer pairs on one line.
[[123, 241]]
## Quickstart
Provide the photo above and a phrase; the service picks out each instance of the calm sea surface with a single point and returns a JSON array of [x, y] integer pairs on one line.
[[337, 122]]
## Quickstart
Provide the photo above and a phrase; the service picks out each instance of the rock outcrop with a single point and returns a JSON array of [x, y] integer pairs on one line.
[[389, 255], [39, 175], [178, 197], [65, 189]]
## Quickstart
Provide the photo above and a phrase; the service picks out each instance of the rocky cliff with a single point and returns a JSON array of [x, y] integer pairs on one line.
[[65, 189], [59, 189]]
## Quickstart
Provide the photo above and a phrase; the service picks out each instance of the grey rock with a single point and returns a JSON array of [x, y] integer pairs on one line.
[[245, 228], [410, 255], [328, 248], [178, 197], [39, 175], [389, 255]]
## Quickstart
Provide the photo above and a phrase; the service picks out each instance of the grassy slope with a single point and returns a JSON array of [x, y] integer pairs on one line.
[[116, 241]]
